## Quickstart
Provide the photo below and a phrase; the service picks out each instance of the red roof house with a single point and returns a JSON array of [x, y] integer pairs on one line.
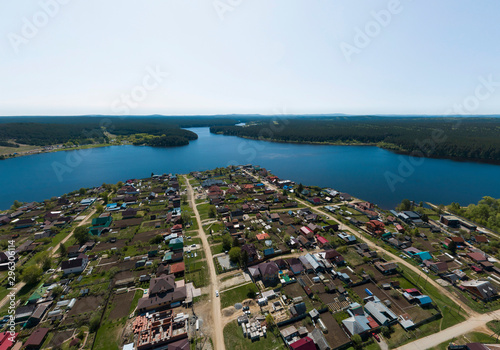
[[303, 344]]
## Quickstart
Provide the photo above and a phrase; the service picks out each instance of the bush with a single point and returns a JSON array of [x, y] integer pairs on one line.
[[94, 324]]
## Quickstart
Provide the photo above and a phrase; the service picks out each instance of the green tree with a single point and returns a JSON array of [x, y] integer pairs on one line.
[[99, 208], [226, 242], [31, 275], [356, 340], [185, 217], [452, 246], [236, 242], [243, 258], [386, 331], [56, 291], [156, 239], [405, 205], [46, 262], [82, 191], [212, 211], [16, 204], [300, 188], [270, 321], [94, 323], [234, 254], [81, 235]]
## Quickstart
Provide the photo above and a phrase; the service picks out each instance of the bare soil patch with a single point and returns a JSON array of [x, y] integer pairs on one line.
[[121, 305]]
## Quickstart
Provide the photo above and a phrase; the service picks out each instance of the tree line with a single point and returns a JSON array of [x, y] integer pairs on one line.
[[456, 138], [486, 212]]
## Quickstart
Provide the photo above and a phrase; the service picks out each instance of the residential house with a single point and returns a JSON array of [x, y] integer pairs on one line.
[[307, 232], [75, 265], [178, 269], [164, 293], [251, 251], [483, 290], [269, 272], [459, 242], [376, 227], [333, 256], [386, 268], [305, 343], [36, 339], [437, 267], [477, 257], [380, 312], [450, 221], [24, 223]]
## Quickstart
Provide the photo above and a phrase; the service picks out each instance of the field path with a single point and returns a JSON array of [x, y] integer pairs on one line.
[[216, 324]]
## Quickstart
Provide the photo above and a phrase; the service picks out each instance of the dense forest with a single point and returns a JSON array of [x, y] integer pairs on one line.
[[486, 212], [456, 138], [89, 130]]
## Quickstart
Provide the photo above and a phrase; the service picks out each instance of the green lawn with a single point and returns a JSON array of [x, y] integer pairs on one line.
[[216, 249], [236, 295], [107, 336], [234, 340], [203, 210], [138, 295]]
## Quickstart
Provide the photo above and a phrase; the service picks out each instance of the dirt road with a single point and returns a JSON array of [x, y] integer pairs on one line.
[[449, 333], [21, 284], [216, 322], [376, 247]]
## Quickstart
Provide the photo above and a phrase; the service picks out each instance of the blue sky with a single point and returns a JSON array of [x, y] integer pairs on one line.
[[246, 56]]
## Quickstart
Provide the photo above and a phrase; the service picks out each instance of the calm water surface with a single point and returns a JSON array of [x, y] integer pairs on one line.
[[359, 170]]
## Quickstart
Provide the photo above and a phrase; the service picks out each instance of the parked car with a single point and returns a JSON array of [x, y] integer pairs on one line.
[[216, 293], [375, 335]]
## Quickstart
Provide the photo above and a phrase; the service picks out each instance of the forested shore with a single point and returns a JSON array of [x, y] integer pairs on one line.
[[470, 139]]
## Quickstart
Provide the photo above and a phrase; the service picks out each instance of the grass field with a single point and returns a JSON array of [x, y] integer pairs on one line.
[[237, 294], [234, 340]]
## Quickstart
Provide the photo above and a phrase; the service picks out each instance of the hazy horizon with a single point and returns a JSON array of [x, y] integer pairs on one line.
[[393, 57]]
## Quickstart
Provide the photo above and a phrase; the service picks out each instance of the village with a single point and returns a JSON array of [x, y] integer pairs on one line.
[[237, 258]]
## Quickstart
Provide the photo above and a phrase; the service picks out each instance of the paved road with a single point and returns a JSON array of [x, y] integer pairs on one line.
[[217, 330]]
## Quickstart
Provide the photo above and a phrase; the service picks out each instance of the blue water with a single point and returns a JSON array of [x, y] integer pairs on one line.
[[362, 171]]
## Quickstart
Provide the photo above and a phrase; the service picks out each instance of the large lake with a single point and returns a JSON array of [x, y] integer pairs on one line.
[[370, 173]]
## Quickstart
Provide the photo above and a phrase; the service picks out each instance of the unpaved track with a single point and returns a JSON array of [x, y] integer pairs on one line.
[[474, 319], [216, 326], [21, 284]]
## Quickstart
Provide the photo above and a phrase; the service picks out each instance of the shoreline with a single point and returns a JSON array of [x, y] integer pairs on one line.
[[402, 152]]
